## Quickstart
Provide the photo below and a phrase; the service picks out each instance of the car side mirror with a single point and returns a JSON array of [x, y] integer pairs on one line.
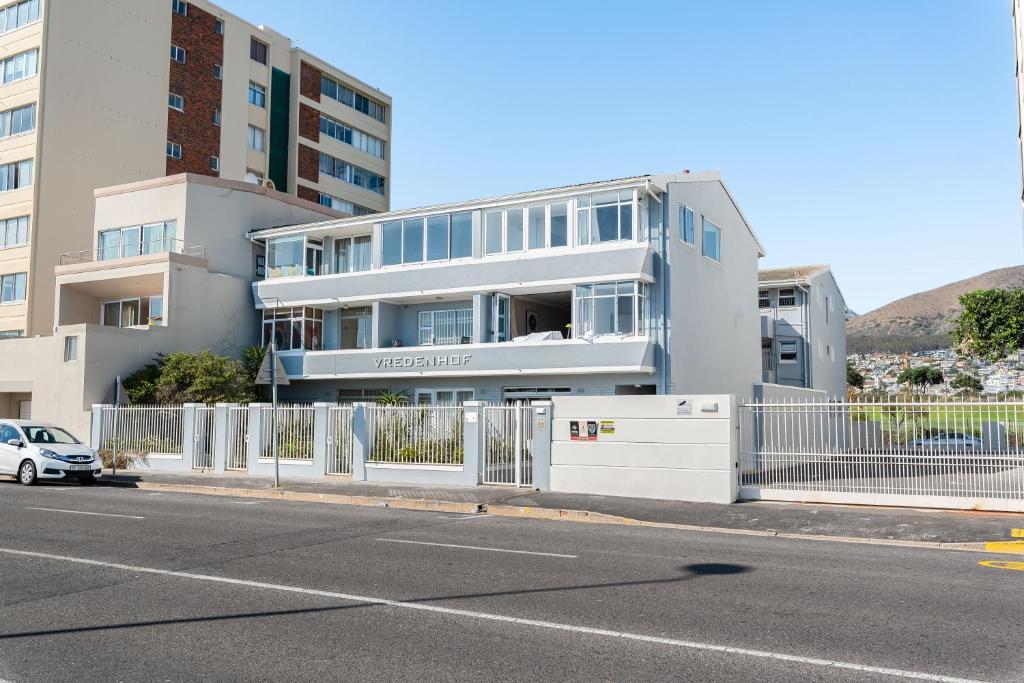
[[15, 442]]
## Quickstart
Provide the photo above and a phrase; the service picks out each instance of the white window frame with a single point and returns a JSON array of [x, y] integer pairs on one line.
[[5, 229], [178, 54], [218, 26], [705, 223], [173, 150], [179, 7], [5, 13], [217, 116], [686, 213], [585, 202], [641, 308], [764, 299], [215, 163], [176, 101], [71, 349], [218, 72], [255, 133], [25, 72], [260, 92], [11, 113], [14, 277], [432, 393], [461, 319], [792, 296]]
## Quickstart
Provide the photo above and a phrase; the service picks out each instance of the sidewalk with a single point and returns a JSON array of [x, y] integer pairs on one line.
[[903, 525]]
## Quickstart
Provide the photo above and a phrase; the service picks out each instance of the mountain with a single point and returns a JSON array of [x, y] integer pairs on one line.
[[922, 321]]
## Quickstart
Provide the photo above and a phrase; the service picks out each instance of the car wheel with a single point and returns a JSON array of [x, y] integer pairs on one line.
[[87, 481], [27, 473]]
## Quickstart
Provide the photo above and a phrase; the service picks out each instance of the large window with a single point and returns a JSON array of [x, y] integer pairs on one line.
[[285, 256], [12, 287], [257, 139], [612, 308], [529, 227], [787, 297], [350, 98], [356, 328], [14, 232], [444, 328], [352, 254], [294, 329], [16, 175], [147, 310], [604, 217], [21, 66], [339, 204], [18, 121], [257, 51], [151, 238], [350, 173], [351, 136], [764, 299], [257, 95], [712, 240], [686, 224], [431, 238], [19, 14]]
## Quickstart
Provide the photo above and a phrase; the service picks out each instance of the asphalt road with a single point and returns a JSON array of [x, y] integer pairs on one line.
[[169, 587]]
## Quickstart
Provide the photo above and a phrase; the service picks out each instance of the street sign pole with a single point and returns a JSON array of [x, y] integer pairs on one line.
[[117, 419], [273, 412]]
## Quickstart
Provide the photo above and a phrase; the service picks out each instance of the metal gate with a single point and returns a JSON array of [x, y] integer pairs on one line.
[[907, 452], [339, 441], [204, 436], [237, 438], [508, 445]]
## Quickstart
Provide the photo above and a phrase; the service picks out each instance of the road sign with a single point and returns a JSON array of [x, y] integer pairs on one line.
[[264, 376]]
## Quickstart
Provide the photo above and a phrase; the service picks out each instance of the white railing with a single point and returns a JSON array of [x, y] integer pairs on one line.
[[237, 438], [205, 437], [142, 430], [508, 445], [294, 432], [339, 441], [424, 435], [931, 451]]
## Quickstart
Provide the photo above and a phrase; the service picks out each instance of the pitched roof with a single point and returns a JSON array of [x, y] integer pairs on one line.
[[789, 273]]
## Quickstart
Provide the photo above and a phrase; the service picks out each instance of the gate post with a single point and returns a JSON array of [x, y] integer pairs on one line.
[[189, 435], [321, 431], [255, 446], [472, 441], [96, 426], [221, 437], [543, 415], [360, 440]]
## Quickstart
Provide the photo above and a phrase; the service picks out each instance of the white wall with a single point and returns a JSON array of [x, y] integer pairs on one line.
[[828, 372], [654, 452]]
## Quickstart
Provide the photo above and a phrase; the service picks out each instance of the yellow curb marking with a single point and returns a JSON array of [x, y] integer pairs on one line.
[[1003, 564], [1016, 547], [1017, 533]]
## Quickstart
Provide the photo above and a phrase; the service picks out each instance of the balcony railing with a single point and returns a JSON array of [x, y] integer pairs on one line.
[[119, 251]]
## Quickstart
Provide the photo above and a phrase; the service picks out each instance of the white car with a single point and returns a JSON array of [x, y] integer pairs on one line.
[[955, 441], [31, 451]]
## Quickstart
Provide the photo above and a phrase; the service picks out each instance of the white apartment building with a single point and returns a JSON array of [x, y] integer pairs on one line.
[[642, 285], [95, 94]]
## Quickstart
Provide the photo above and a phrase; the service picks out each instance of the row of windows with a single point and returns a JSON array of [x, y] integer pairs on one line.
[[152, 238], [434, 238], [351, 136], [16, 175], [12, 287], [614, 308], [18, 121], [350, 173], [11, 334], [21, 66], [14, 232], [445, 328], [147, 310], [339, 204], [532, 227], [361, 103], [787, 298], [711, 243], [19, 14], [293, 329]]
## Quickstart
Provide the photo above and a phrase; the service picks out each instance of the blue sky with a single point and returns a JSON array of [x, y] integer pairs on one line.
[[876, 136]]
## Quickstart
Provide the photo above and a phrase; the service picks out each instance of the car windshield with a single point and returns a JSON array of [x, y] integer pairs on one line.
[[49, 435]]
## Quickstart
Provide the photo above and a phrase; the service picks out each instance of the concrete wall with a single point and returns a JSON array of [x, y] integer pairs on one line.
[[827, 332], [668, 447]]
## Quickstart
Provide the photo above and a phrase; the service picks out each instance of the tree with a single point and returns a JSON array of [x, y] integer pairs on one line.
[[854, 377], [252, 359], [140, 386], [190, 378], [920, 378], [967, 383], [991, 324], [391, 398]]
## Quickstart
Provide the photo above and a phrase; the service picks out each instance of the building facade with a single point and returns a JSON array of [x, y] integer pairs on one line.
[[96, 94], [1017, 11], [803, 329], [185, 288], [642, 285]]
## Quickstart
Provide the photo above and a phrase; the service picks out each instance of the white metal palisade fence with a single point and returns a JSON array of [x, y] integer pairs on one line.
[[237, 438], [205, 438], [294, 432], [508, 445], [422, 435], [142, 430], [932, 451], [339, 440]]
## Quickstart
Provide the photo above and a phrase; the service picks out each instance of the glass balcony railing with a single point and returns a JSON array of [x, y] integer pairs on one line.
[[111, 252]]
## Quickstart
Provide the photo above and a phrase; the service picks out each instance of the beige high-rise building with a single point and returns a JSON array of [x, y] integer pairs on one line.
[[94, 94]]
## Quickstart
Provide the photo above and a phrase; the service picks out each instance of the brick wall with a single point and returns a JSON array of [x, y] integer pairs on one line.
[[309, 85], [308, 193], [195, 81], [309, 122], [309, 163]]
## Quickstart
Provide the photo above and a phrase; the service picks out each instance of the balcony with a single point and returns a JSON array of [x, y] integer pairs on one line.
[[613, 355], [112, 253]]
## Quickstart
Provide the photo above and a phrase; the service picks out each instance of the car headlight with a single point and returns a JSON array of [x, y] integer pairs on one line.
[[48, 454]]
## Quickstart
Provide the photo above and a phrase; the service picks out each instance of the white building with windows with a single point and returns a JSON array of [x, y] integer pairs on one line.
[[803, 329], [641, 285]]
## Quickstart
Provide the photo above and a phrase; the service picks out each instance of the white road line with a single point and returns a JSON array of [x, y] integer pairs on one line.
[[462, 517], [80, 512], [246, 502], [536, 623], [476, 547]]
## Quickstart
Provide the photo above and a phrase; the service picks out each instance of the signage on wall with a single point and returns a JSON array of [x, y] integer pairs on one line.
[[591, 431], [576, 434], [438, 361], [607, 426], [684, 407]]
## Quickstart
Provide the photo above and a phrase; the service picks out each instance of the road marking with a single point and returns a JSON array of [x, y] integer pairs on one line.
[[1003, 564], [476, 547], [1005, 547], [462, 517], [246, 502], [1017, 533], [550, 625], [80, 512]]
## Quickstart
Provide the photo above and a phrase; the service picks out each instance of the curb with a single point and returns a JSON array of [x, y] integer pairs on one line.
[[550, 514]]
